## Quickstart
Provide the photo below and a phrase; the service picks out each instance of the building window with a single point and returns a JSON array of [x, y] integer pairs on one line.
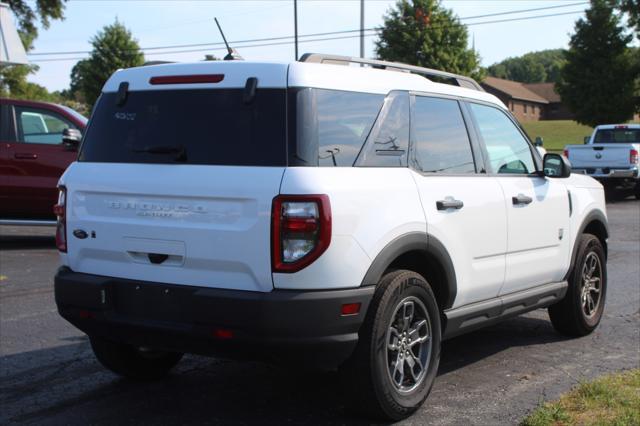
[[525, 108]]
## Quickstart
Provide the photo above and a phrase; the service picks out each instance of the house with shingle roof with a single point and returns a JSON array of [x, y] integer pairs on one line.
[[555, 110], [531, 101], [524, 104]]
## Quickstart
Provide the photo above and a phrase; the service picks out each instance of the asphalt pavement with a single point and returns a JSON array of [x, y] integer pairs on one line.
[[495, 376]]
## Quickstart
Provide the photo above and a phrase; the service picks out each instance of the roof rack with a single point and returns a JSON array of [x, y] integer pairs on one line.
[[440, 76]]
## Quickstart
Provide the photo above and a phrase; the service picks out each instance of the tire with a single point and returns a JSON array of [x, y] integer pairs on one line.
[[637, 191], [375, 386], [131, 362], [580, 312]]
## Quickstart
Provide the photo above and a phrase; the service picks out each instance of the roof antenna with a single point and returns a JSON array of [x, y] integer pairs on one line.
[[233, 54]]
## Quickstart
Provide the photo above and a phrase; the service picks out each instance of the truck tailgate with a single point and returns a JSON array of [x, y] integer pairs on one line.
[[600, 155]]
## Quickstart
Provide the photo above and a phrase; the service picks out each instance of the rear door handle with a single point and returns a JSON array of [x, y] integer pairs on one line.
[[521, 200], [25, 156], [449, 203]]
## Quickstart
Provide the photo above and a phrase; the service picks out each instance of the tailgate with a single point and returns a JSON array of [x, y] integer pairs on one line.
[[180, 224], [600, 155]]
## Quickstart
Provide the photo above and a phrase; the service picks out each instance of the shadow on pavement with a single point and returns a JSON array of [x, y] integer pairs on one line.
[[22, 242], [67, 385], [470, 348]]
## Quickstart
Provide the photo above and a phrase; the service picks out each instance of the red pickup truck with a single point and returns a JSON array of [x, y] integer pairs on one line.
[[38, 141]]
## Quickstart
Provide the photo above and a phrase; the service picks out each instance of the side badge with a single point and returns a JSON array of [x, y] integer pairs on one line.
[[79, 233], [560, 233]]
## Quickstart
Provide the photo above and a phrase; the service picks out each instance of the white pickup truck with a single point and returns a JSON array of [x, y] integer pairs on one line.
[[609, 155]]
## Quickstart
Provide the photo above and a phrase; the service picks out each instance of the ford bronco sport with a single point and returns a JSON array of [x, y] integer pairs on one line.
[[336, 216]]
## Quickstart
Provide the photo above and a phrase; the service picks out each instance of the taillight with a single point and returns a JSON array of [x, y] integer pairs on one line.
[[566, 153], [300, 230], [60, 210], [633, 156]]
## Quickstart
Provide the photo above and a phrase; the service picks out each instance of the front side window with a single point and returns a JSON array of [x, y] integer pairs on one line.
[[40, 126], [332, 125], [439, 136], [509, 152]]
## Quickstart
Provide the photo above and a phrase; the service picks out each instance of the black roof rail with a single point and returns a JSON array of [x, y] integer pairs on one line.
[[440, 76]]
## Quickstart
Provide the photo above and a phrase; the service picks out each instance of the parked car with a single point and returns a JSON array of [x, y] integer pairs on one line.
[[610, 155], [317, 214], [38, 140]]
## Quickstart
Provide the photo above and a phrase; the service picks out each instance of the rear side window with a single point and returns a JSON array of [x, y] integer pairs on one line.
[[388, 142], [213, 127], [332, 125], [440, 139]]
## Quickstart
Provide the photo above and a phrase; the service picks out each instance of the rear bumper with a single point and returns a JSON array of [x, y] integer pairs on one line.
[[280, 326], [609, 173]]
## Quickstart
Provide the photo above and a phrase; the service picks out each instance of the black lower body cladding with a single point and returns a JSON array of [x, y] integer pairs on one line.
[[278, 326]]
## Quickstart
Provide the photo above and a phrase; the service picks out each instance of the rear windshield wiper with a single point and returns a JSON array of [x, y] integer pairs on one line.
[[180, 151]]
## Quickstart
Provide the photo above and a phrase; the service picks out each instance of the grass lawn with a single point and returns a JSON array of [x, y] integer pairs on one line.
[[557, 133], [610, 400]]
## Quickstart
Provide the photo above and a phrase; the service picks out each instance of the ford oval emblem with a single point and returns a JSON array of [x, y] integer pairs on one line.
[[598, 156], [79, 233]]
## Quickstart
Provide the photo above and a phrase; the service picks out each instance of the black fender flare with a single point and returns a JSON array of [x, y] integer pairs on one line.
[[594, 215], [414, 241]]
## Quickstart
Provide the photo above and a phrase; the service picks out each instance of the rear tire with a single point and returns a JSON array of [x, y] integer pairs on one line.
[[580, 312], [131, 362], [395, 363]]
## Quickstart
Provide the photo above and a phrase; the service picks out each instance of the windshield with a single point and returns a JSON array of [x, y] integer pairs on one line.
[[621, 135], [201, 126]]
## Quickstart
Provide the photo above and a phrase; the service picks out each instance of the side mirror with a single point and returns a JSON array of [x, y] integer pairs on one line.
[[556, 166], [71, 138], [538, 141], [586, 139]]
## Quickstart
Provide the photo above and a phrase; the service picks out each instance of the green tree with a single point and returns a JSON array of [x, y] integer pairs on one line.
[[424, 33], [13, 79], [599, 79], [533, 67], [113, 48], [632, 8]]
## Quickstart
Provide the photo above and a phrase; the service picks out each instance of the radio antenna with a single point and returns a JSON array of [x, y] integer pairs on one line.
[[233, 54]]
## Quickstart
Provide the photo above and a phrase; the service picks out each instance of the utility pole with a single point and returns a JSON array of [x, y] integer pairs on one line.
[[362, 28], [295, 25]]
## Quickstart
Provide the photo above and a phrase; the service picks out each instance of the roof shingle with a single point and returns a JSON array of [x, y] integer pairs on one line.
[[514, 89], [546, 90]]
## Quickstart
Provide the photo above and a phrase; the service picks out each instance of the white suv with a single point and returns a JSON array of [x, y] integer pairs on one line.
[[311, 212]]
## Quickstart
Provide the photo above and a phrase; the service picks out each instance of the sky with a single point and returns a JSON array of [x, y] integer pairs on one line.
[[175, 23]]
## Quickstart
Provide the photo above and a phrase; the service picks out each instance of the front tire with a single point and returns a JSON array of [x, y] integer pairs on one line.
[[132, 362], [580, 312], [395, 363]]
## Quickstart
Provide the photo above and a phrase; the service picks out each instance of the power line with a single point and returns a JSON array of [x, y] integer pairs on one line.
[[179, 46], [375, 32]]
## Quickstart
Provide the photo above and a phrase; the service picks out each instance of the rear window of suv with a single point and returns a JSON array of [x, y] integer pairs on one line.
[[212, 127]]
